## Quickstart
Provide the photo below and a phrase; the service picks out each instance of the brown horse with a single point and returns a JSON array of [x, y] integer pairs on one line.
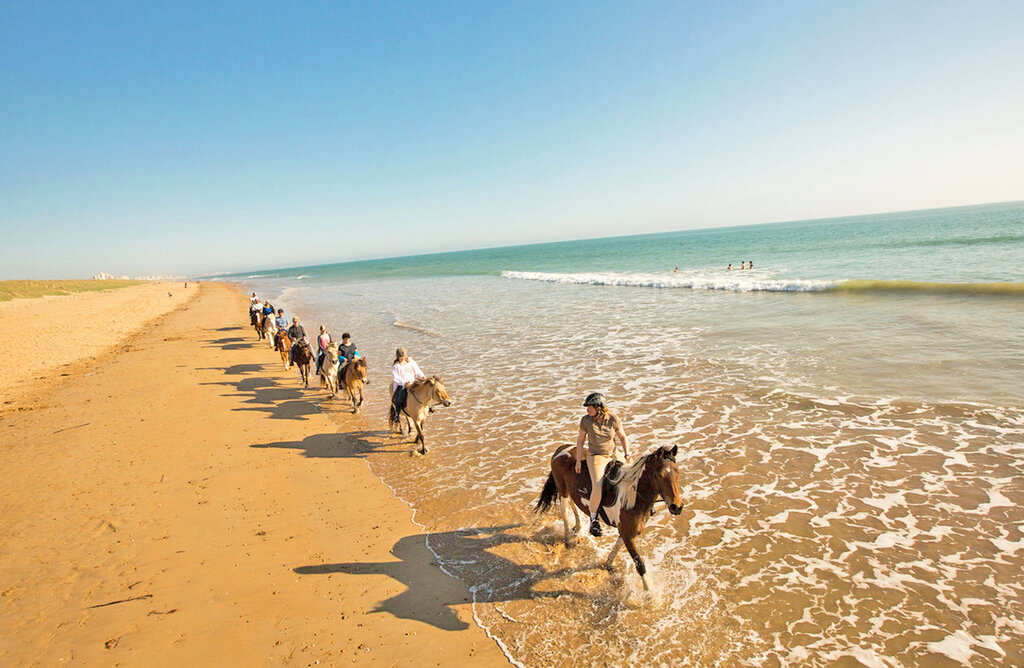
[[352, 377], [256, 319], [628, 496], [283, 345], [303, 357], [421, 395]]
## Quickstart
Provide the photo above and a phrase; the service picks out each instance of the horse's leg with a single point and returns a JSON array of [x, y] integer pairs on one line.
[[610, 563], [565, 517], [419, 436], [637, 559]]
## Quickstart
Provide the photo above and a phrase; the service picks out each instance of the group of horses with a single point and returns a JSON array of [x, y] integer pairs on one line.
[[629, 491], [335, 374]]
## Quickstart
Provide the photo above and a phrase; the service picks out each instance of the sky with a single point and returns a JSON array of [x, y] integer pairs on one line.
[[187, 138]]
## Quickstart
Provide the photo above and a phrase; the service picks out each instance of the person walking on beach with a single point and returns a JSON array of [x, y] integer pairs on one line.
[[322, 341], [599, 428], [403, 371]]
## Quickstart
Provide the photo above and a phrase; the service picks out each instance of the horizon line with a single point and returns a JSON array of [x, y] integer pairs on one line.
[[613, 236]]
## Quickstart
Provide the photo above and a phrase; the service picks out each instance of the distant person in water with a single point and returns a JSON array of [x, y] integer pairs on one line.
[[743, 265], [676, 270], [729, 268], [750, 264], [599, 428]]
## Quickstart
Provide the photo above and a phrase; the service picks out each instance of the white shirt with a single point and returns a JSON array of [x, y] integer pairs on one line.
[[403, 374]]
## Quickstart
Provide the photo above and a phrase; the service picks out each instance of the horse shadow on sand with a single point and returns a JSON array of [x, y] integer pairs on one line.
[[353, 444], [431, 595], [266, 395]]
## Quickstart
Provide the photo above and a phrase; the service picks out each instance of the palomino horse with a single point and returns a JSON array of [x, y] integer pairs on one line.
[[627, 499], [283, 345], [421, 395], [303, 357], [352, 377], [328, 370]]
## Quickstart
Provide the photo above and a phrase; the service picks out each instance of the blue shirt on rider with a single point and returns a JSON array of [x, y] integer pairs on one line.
[[281, 322]]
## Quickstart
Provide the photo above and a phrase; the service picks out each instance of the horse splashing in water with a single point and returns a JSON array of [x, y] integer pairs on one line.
[[302, 355], [421, 395], [352, 377], [328, 370], [629, 493], [283, 345]]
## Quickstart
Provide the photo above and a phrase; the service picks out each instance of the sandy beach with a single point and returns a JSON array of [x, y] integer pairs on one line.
[[172, 496]]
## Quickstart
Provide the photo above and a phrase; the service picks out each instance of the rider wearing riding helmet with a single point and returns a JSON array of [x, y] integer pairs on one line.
[[403, 371], [599, 428]]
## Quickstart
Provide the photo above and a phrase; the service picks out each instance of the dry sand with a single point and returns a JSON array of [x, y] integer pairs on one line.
[[181, 501]]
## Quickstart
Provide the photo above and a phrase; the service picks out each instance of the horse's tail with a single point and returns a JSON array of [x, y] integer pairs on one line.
[[547, 495]]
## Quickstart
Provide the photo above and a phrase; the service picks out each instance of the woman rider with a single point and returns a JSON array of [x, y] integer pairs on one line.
[[403, 371], [599, 427]]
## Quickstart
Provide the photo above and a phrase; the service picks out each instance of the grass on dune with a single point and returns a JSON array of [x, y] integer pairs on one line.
[[27, 289]]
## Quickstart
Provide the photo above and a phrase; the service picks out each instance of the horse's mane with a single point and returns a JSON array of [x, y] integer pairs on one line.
[[359, 361], [628, 479], [420, 382]]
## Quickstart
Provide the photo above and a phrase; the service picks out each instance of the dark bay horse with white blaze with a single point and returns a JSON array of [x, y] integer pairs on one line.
[[626, 502], [422, 394]]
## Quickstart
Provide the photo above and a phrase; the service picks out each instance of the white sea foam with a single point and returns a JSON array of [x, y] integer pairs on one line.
[[731, 281]]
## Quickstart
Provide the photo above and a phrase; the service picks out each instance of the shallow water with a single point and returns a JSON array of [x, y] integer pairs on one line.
[[851, 464]]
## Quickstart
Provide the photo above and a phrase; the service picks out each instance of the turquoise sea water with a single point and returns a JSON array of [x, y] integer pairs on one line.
[[963, 245], [851, 455]]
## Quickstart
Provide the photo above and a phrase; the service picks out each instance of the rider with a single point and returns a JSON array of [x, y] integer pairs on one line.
[[280, 320], [323, 341], [346, 352], [268, 309], [599, 427], [253, 300], [403, 371], [296, 333]]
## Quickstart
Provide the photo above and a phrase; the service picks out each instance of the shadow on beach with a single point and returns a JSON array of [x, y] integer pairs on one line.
[[336, 445], [430, 594]]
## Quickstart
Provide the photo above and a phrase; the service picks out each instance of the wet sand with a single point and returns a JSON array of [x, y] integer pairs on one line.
[[180, 499]]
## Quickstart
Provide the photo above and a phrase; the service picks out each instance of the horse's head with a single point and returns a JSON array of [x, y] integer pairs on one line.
[[359, 364], [440, 395], [665, 477]]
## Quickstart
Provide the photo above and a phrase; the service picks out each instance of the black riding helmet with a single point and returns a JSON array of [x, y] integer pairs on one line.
[[595, 399]]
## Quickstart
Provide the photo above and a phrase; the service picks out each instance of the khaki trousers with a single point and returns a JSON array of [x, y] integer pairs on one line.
[[596, 465]]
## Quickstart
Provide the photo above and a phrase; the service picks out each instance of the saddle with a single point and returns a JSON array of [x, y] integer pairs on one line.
[[609, 490]]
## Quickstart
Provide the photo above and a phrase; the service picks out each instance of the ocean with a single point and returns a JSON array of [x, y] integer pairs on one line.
[[849, 415]]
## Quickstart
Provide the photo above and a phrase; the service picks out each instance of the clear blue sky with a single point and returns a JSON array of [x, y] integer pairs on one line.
[[181, 138]]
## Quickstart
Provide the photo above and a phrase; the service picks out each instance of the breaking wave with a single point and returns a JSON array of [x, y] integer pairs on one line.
[[691, 281]]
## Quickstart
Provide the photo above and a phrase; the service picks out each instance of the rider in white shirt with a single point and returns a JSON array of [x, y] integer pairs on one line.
[[403, 371]]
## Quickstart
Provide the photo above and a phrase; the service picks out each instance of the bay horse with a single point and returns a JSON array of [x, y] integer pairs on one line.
[[422, 394], [629, 494], [328, 370], [352, 377], [283, 345], [303, 356]]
